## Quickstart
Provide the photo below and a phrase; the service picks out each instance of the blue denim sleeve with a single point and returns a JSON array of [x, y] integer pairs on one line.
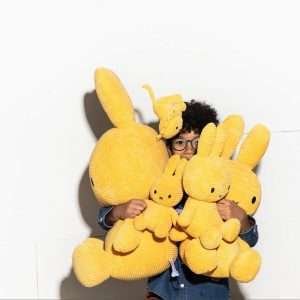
[[102, 213], [251, 235]]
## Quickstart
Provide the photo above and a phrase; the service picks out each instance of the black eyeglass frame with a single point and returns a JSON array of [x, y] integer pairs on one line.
[[192, 141]]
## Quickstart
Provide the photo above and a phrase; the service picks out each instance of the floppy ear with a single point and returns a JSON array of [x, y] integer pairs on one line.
[[149, 89], [180, 167], [219, 142], [114, 98], [206, 140], [234, 128], [254, 146], [172, 164]]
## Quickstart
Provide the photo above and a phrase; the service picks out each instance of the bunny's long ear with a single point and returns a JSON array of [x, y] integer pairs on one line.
[[172, 165], [149, 89], [219, 142], [114, 98], [180, 167], [234, 128], [206, 140], [254, 146]]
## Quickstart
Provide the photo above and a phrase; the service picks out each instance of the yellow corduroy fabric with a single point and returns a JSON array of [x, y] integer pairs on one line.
[[124, 165], [169, 111], [235, 259]]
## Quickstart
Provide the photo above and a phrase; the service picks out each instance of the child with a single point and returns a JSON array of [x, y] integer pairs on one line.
[[186, 285]]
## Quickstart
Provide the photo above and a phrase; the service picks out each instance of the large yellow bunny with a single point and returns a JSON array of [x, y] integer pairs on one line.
[[127, 159], [235, 259], [124, 165], [169, 111]]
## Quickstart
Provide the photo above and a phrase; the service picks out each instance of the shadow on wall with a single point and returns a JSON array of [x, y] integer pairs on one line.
[[235, 291], [70, 288]]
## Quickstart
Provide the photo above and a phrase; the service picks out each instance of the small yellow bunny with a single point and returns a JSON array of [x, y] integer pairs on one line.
[[169, 111], [167, 191]]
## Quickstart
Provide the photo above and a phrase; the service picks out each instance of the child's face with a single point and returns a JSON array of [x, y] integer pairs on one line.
[[185, 144]]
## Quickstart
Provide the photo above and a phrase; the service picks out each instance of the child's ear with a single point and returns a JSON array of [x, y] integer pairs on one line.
[[206, 140], [254, 146]]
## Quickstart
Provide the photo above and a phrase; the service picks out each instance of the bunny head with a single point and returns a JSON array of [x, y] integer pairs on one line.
[[246, 188], [170, 127], [206, 176], [128, 158], [169, 111], [167, 190]]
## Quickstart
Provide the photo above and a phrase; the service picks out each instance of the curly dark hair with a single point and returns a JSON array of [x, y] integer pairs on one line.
[[196, 116]]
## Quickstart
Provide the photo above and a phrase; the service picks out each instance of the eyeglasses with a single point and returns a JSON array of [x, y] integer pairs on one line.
[[181, 144]]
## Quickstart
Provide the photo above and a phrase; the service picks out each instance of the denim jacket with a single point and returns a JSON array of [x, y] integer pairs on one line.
[[187, 285]]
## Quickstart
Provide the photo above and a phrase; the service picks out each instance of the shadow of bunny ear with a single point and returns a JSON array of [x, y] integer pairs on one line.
[[95, 115], [141, 119], [89, 205]]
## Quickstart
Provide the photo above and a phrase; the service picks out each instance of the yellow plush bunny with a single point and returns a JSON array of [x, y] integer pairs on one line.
[[169, 111], [159, 216], [206, 180], [235, 259], [124, 165], [94, 262]]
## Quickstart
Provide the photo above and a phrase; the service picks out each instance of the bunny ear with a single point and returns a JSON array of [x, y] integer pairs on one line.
[[180, 167], [149, 89], [172, 164], [234, 128], [206, 140], [219, 142], [254, 146], [114, 98]]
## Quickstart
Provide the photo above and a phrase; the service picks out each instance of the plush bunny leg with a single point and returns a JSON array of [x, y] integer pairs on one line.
[[211, 238], [246, 265], [163, 227], [231, 229], [198, 259], [177, 234], [127, 238], [92, 265]]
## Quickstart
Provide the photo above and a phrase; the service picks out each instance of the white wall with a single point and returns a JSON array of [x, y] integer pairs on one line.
[[240, 56]]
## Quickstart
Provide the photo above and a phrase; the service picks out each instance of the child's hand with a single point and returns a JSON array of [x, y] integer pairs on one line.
[[129, 209], [229, 209]]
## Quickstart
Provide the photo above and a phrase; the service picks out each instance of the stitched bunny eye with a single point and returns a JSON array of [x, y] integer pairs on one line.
[[155, 191], [253, 200], [169, 196], [176, 127], [92, 182], [212, 190]]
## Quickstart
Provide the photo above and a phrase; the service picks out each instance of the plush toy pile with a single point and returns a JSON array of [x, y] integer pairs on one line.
[[130, 161]]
